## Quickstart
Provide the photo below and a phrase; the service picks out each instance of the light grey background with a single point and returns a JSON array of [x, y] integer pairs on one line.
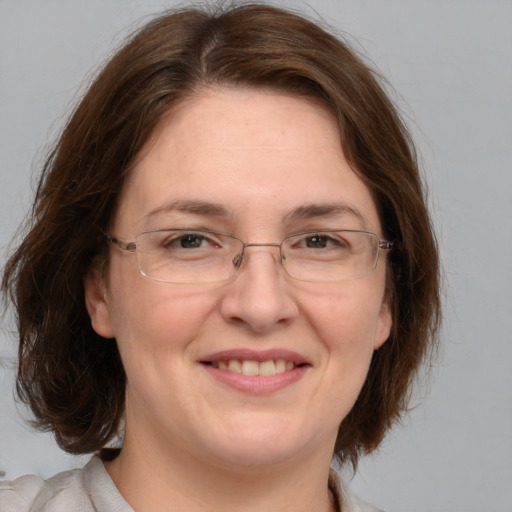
[[450, 62]]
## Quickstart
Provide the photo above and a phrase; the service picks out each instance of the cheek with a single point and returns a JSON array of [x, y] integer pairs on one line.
[[350, 312], [155, 335], [151, 318], [346, 321]]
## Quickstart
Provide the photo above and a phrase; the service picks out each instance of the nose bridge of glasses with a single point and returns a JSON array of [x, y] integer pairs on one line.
[[266, 244], [238, 260]]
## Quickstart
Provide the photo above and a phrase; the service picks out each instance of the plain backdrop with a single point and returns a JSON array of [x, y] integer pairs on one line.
[[450, 64]]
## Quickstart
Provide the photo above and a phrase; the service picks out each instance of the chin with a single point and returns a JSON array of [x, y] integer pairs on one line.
[[257, 448], [255, 459]]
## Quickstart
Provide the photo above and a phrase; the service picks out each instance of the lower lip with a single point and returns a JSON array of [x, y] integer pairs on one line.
[[257, 384]]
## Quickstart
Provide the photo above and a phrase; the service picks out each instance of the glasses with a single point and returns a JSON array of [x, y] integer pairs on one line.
[[189, 256]]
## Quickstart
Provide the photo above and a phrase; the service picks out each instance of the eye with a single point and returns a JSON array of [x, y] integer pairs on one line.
[[319, 241], [189, 241]]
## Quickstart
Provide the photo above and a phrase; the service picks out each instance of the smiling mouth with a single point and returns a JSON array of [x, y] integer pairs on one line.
[[249, 367]]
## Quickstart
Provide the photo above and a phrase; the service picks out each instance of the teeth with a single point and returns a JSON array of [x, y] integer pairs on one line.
[[234, 366], [267, 368], [281, 366], [249, 367]]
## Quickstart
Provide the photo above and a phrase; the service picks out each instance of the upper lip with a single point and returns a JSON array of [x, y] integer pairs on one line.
[[255, 355]]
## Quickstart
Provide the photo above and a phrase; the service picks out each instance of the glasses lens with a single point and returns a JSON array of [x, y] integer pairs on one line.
[[330, 255], [187, 256], [201, 256]]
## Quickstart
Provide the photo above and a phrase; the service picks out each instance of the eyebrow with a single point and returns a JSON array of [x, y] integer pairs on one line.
[[311, 211], [196, 207], [209, 209]]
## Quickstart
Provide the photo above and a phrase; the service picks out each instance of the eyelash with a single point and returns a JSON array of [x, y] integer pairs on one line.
[[183, 236]]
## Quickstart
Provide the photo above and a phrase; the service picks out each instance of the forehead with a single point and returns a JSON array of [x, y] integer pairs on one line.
[[257, 154]]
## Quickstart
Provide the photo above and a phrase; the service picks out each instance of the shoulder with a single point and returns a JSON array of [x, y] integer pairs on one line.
[[32, 493], [348, 500], [79, 490]]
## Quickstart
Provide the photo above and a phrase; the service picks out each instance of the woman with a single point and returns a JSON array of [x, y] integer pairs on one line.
[[229, 277]]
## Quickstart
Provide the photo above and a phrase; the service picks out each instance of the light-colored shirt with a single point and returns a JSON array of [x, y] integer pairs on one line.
[[91, 489]]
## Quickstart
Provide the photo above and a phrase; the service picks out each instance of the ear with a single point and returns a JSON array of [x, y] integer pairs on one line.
[[384, 324], [97, 304]]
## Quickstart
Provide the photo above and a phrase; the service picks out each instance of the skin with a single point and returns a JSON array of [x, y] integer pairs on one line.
[[192, 442]]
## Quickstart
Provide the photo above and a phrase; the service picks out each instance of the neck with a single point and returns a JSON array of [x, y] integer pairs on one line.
[[173, 479]]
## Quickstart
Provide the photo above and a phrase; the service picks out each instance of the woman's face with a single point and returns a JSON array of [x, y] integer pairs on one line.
[[259, 165]]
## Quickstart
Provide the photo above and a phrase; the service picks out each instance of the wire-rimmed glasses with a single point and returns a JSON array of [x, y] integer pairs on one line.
[[191, 256]]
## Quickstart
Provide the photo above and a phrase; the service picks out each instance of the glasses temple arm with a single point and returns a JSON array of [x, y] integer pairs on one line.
[[125, 246]]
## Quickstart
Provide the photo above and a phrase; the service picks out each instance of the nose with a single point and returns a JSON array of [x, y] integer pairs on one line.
[[259, 298]]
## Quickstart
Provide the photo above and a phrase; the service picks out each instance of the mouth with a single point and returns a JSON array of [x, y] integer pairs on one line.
[[256, 372]]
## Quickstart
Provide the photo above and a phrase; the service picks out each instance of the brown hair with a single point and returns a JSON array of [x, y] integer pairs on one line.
[[72, 379]]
